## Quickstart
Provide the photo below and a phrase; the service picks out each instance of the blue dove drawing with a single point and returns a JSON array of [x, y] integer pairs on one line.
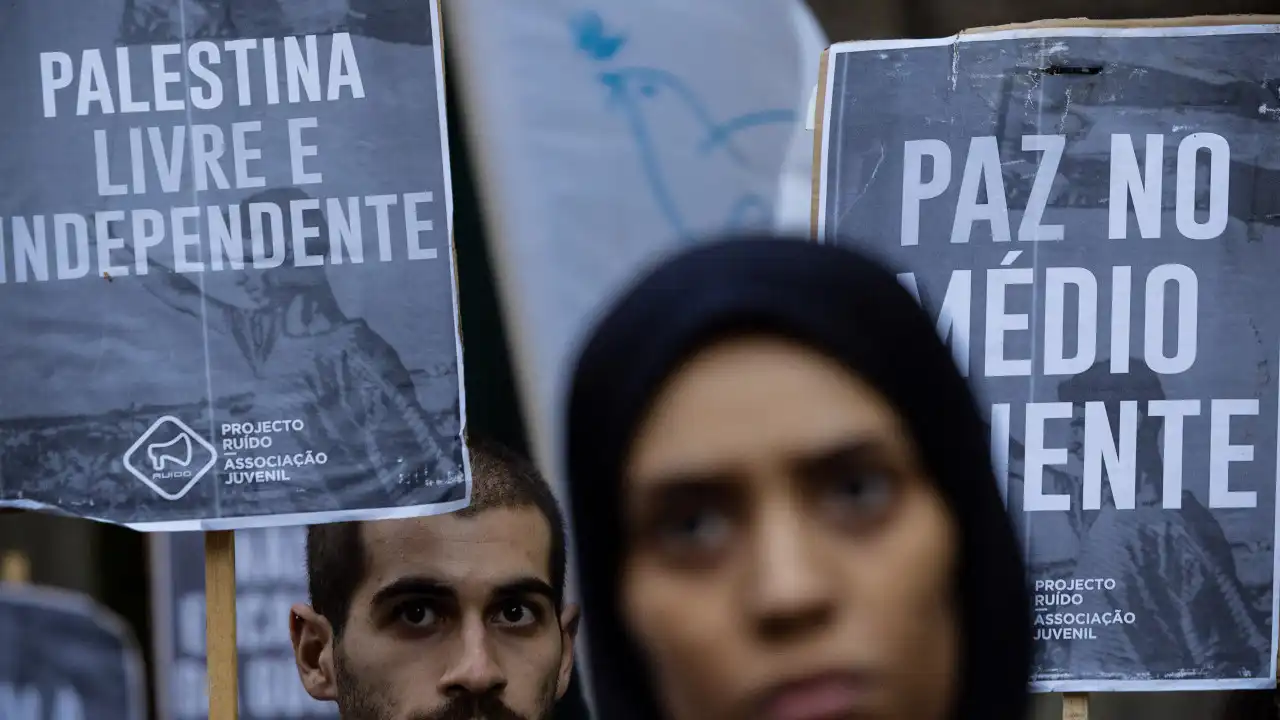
[[641, 94]]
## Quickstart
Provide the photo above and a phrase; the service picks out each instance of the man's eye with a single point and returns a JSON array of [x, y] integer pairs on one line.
[[516, 614], [416, 614]]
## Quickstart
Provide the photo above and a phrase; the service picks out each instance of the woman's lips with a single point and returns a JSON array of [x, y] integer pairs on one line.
[[830, 696]]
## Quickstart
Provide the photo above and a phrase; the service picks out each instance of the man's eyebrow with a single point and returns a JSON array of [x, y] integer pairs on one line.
[[434, 588], [523, 587], [417, 586]]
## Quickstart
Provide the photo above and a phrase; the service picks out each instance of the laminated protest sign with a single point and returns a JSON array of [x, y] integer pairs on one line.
[[271, 575], [1091, 214], [668, 120], [64, 658], [226, 263]]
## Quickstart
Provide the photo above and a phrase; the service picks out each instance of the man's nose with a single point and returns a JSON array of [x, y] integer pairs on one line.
[[792, 591], [475, 671]]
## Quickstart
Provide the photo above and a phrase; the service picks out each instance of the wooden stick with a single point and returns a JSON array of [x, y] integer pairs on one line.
[[1075, 706], [220, 624], [15, 568], [819, 111]]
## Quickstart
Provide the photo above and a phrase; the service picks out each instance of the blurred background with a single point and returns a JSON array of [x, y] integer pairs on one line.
[[111, 564]]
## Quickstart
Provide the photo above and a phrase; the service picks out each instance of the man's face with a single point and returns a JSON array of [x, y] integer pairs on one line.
[[455, 620]]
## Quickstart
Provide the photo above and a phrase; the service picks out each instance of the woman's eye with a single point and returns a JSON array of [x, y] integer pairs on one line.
[[516, 615], [416, 614], [698, 530], [864, 492]]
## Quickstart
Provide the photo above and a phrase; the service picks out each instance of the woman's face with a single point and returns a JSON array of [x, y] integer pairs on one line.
[[787, 557]]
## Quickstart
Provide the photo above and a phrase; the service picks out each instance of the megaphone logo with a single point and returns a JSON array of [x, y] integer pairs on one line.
[[177, 451], [170, 458]]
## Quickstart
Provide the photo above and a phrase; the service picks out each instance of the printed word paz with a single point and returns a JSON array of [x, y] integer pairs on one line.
[[981, 197]]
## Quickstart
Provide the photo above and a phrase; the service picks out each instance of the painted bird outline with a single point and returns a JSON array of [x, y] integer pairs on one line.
[[635, 92]]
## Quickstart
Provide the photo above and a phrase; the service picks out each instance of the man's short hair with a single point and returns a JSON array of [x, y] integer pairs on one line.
[[500, 478]]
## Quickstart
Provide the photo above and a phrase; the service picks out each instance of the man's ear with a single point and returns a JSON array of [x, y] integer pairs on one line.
[[569, 618], [313, 650]]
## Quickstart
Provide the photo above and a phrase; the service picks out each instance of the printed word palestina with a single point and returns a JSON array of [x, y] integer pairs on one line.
[[105, 82], [307, 232]]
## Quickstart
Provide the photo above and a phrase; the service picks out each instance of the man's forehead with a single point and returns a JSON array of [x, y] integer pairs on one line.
[[478, 550]]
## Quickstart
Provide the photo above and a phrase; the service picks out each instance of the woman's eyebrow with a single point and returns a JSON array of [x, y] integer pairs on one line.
[[654, 498], [688, 478], [853, 452]]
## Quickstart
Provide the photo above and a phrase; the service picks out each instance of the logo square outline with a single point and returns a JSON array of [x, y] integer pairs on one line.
[[195, 477]]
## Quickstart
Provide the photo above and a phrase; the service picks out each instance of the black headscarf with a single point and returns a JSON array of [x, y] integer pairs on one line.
[[855, 311]]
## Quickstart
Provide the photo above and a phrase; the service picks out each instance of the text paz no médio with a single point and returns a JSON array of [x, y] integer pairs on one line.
[[1135, 199]]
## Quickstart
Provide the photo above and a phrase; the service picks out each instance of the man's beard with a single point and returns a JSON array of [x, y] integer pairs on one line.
[[478, 707], [356, 701], [360, 701]]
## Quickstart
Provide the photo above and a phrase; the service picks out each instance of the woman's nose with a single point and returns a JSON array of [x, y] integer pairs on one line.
[[792, 588]]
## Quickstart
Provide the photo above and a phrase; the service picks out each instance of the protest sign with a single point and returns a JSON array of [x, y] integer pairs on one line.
[[668, 120], [65, 658], [226, 264], [1091, 214], [271, 575]]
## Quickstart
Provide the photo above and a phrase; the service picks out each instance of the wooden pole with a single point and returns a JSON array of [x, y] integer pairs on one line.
[[15, 568], [220, 624], [819, 110], [1075, 706]]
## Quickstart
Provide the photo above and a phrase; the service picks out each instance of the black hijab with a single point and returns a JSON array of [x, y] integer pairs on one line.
[[852, 309]]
